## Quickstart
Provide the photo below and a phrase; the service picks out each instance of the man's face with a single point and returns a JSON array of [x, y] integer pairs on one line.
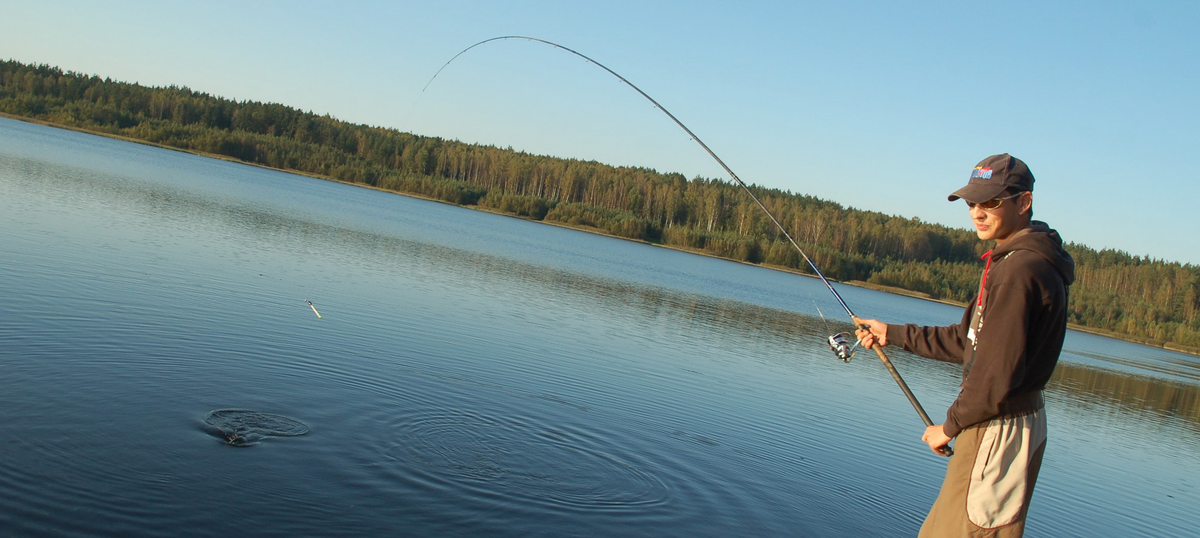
[[1002, 222]]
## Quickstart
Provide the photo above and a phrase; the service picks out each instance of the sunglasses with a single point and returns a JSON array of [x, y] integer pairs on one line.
[[993, 203]]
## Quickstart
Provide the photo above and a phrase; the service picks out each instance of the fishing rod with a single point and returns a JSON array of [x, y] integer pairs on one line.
[[837, 342]]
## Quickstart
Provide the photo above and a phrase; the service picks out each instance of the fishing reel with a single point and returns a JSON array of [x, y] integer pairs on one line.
[[841, 347]]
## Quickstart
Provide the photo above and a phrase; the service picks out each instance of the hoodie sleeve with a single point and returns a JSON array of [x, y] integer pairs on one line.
[[941, 343]]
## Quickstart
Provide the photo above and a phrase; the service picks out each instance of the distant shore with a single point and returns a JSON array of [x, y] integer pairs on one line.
[[858, 283]]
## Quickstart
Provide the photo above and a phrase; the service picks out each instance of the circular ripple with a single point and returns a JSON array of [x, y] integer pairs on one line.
[[517, 460], [243, 427]]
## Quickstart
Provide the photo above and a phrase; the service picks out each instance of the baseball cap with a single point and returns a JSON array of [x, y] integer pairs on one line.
[[992, 176]]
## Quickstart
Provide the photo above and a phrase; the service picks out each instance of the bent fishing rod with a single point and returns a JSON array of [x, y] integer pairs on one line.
[[837, 342]]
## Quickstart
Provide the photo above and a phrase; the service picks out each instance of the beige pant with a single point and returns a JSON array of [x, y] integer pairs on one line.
[[990, 479]]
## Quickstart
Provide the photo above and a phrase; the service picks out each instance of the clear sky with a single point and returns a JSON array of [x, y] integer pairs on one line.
[[878, 105]]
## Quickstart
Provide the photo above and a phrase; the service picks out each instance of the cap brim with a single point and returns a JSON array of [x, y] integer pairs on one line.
[[976, 193]]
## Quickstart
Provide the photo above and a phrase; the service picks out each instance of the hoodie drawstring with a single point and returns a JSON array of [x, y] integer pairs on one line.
[[988, 256]]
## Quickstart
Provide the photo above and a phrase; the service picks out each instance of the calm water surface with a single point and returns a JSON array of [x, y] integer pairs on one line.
[[477, 375]]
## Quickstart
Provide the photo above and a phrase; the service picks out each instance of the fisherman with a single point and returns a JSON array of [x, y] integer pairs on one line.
[[1008, 342]]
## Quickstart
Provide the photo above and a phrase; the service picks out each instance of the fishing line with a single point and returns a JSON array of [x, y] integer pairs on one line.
[[688, 131], [842, 344]]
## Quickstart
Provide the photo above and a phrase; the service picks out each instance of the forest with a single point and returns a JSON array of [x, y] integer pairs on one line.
[[1134, 297]]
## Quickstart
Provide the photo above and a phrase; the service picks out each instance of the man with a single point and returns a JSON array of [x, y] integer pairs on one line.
[[1008, 343]]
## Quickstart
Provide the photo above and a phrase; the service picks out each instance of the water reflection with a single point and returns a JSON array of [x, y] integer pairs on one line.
[[274, 228], [1164, 399]]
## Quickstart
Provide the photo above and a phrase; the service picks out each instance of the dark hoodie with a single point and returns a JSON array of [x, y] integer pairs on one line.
[[1020, 319]]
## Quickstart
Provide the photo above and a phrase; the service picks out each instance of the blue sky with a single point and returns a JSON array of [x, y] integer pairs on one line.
[[883, 106]]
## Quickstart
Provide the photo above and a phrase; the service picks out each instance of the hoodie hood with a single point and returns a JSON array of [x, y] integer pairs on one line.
[[1041, 238]]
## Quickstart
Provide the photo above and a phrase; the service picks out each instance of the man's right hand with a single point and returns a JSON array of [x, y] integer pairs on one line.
[[937, 439], [876, 332]]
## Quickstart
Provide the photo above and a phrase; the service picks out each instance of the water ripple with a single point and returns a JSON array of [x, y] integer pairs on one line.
[[520, 460]]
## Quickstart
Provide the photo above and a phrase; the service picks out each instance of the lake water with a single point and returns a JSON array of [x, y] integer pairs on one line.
[[479, 375]]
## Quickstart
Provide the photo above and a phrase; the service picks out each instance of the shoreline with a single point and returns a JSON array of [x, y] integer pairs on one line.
[[1170, 346]]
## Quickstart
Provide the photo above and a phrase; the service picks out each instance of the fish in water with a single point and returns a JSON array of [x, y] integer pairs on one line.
[[242, 427], [240, 439]]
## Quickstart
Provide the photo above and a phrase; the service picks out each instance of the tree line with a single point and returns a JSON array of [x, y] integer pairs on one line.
[[1136, 297]]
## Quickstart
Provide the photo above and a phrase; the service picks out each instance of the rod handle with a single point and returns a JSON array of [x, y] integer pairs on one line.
[[946, 450]]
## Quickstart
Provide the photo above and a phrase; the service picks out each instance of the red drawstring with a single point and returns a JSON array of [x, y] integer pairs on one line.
[[988, 256]]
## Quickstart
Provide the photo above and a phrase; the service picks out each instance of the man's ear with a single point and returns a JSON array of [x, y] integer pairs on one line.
[[1026, 202]]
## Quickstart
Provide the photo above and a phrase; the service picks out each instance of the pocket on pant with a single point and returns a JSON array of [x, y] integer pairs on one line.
[[999, 477]]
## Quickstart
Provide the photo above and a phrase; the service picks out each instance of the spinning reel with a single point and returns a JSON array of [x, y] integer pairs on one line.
[[841, 347]]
